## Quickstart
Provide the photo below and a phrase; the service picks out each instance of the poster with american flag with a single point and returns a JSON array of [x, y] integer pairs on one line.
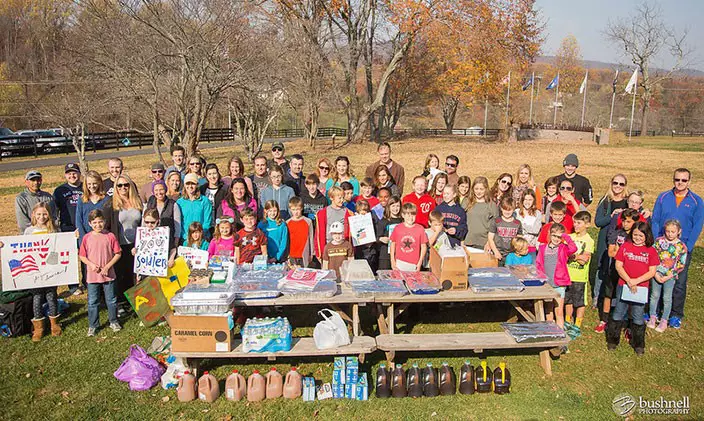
[[37, 261]]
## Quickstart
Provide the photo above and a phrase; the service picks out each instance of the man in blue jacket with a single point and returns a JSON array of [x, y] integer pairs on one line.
[[681, 204]]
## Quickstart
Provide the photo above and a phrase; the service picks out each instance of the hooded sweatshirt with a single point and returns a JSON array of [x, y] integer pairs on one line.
[[198, 210], [277, 238], [25, 201], [454, 217], [280, 195]]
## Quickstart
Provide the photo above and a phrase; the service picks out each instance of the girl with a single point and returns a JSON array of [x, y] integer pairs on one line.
[[151, 221], [480, 212], [392, 217], [636, 264], [237, 199], [464, 185], [502, 187], [550, 195], [236, 168], [323, 173], [552, 260], [168, 211], [438, 187], [214, 189], [673, 256], [454, 217], [634, 201], [194, 206], [519, 253], [531, 219], [173, 183], [223, 243], [94, 197], [383, 178], [276, 232], [524, 181], [196, 237], [342, 172], [431, 168]]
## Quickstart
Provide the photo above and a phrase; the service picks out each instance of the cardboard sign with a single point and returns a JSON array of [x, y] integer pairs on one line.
[[152, 251], [148, 301], [176, 279], [197, 258], [38, 261], [362, 229]]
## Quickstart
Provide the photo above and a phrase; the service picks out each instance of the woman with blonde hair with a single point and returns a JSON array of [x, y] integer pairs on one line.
[[341, 172], [524, 182], [173, 185]]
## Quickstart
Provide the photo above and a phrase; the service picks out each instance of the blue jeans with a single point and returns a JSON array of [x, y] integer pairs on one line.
[[679, 293], [665, 290], [94, 301], [620, 313]]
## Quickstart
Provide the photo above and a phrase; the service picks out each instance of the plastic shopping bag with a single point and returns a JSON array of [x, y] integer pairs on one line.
[[141, 371], [331, 332]]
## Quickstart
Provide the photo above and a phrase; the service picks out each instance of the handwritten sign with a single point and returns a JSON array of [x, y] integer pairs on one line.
[[196, 258], [38, 261], [362, 229], [148, 300], [152, 255]]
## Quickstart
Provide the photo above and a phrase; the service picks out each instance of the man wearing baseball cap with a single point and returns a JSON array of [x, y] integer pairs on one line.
[[66, 197], [145, 192], [32, 194], [277, 156], [582, 186]]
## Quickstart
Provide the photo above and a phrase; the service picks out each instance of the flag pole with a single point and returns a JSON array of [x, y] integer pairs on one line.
[[532, 88], [508, 96], [584, 101], [611, 116], [633, 108], [486, 112], [557, 89]]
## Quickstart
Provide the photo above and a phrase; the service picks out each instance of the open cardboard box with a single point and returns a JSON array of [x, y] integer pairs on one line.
[[480, 259], [193, 333], [451, 271]]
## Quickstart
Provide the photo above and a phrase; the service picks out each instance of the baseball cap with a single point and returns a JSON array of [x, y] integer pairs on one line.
[[277, 145], [157, 166], [32, 174], [570, 159], [71, 167], [190, 178], [337, 228]]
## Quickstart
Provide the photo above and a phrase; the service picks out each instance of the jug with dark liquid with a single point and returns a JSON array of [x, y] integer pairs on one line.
[[483, 377], [398, 382], [382, 386], [414, 382], [430, 381], [448, 380], [467, 379], [502, 379]]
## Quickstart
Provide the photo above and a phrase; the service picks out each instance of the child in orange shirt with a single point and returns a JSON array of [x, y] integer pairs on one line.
[[300, 231]]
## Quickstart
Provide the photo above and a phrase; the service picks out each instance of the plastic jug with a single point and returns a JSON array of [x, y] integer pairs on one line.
[[208, 387], [483, 378], [293, 386], [467, 379], [256, 387], [186, 389], [398, 382], [414, 382], [502, 379], [235, 386], [448, 380], [383, 382], [430, 381], [274, 384]]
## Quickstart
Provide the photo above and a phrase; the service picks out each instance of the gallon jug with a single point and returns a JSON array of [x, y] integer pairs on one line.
[[274, 384], [293, 386], [414, 382], [383, 382], [235, 386], [467, 379], [448, 380], [208, 387], [256, 387], [186, 390], [483, 377], [502, 379], [398, 383], [430, 381]]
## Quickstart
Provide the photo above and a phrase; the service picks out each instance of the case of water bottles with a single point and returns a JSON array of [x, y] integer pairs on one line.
[[266, 335]]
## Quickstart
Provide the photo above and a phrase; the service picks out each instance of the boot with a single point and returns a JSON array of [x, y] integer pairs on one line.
[[38, 329], [638, 340], [55, 327], [613, 333]]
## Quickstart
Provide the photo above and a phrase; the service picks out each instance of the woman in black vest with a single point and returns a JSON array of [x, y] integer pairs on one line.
[[169, 212], [214, 189]]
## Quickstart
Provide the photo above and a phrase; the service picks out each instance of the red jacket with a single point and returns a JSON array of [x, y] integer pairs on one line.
[[425, 204], [321, 222], [565, 250]]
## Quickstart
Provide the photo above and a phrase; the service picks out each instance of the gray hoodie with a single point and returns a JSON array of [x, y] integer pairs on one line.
[[25, 201]]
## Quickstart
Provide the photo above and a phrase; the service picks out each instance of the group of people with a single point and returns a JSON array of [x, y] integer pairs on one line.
[[287, 216]]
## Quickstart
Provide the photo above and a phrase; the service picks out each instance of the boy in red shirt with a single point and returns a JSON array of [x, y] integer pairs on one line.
[[408, 242], [558, 211], [300, 231], [423, 202], [250, 241]]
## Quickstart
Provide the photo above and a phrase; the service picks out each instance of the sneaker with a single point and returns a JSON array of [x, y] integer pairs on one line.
[[91, 331], [121, 312], [675, 322], [662, 326], [600, 327], [115, 326], [651, 322]]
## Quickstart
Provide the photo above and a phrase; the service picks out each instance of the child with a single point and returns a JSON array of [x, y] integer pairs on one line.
[[673, 256], [300, 230], [531, 219], [572, 205], [431, 168], [150, 220], [369, 251], [503, 229], [464, 185], [519, 253], [578, 268], [338, 250], [366, 188], [454, 217], [636, 263], [408, 241], [439, 184], [223, 243], [195, 237], [552, 260], [437, 237], [348, 195], [250, 240], [421, 199], [313, 199], [276, 232], [480, 213], [557, 216], [99, 251], [392, 217], [277, 191], [550, 195]]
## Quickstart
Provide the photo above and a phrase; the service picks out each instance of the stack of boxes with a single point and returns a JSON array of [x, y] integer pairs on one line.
[[346, 380]]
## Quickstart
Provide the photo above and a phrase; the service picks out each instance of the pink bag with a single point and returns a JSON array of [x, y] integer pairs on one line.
[[140, 370]]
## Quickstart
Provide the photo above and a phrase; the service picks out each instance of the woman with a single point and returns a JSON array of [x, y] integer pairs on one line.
[[195, 166], [236, 168], [173, 184], [123, 215], [194, 206], [236, 200], [383, 178], [464, 185], [94, 197], [214, 189], [524, 182], [169, 212], [482, 210], [341, 173], [502, 187], [530, 218], [438, 187], [323, 172]]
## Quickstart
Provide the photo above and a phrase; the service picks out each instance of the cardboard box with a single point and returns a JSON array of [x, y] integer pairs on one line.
[[201, 333], [482, 260], [450, 271]]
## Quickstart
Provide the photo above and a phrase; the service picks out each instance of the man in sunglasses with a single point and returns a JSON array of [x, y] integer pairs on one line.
[[32, 194], [683, 205], [582, 186], [277, 156], [395, 169], [451, 164], [145, 192]]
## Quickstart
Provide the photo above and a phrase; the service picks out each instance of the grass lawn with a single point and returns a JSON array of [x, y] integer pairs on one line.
[[71, 377]]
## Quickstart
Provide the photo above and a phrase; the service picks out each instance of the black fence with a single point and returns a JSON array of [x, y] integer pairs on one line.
[[477, 132]]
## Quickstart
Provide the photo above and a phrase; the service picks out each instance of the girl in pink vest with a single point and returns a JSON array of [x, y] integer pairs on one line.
[[552, 259]]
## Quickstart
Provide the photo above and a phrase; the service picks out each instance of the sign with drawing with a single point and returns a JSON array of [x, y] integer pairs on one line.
[[362, 229], [152, 255]]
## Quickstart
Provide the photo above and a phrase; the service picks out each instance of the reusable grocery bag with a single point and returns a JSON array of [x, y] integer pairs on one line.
[[331, 332], [141, 371]]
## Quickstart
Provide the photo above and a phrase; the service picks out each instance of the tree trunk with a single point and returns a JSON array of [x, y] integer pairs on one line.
[[78, 138], [449, 112]]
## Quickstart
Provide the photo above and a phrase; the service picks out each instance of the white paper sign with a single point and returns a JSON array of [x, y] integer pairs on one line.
[[362, 229], [152, 255], [197, 258], [37, 261]]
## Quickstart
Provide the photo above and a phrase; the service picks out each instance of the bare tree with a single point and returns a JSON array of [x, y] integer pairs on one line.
[[254, 113]]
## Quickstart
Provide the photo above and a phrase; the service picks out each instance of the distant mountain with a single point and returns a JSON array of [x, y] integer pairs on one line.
[[593, 64]]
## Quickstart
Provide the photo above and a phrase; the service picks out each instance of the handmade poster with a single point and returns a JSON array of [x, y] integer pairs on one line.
[[176, 278], [197, 258], [390, 228], [362, 229], [37, 261], [152, 255], [148, 300]]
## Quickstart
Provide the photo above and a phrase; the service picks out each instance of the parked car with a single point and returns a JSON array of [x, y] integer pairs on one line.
[[475, 131], [15, 144]]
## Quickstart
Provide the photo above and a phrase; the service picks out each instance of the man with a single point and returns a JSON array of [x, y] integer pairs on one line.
[[32, 194], [451, 164], [395, 169], [145, 192], [294, 176], [66, 197], [683, 205], [582, 186], [277, 156], [115, 168], [178, 156], [260, 178]]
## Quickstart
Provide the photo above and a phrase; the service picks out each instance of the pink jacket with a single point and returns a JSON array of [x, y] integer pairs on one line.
[[565, 250]]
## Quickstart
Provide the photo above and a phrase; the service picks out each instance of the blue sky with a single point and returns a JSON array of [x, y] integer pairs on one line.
[[586, 20]]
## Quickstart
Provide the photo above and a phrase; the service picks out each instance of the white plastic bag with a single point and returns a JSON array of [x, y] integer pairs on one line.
[[330, 332]]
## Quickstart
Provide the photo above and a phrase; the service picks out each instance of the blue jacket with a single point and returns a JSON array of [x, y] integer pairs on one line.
[[281, 195], [82, 211], [690, 214], [454, 217], [276, 237], [199, 210]]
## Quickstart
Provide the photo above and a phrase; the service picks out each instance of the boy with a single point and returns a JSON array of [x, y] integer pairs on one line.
[[421, 199], [348, 195], [369, 251], [503, 229], [313, 199], [300, 233], [408, 242], [558, 210], [327, 216], [436, 233], [366, 188], [250, 241], [338, 250], [578, 268], [277, 191]]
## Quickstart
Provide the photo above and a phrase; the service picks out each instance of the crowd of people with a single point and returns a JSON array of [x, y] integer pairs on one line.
[[288, 216]]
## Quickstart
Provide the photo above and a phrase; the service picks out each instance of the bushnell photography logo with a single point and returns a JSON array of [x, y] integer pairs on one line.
[[625, 404]]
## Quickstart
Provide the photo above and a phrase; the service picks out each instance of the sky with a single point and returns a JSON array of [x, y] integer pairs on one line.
[[587, 19]]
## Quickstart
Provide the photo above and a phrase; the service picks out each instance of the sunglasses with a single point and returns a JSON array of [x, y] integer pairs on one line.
[[276, 149], [324, 168], [230, 220], [194, 163], [617, 183], [122, 185], [157, 171], [681, 180], [190, 183], [567, 188], [450, 164], [506, 182], [149, 222]]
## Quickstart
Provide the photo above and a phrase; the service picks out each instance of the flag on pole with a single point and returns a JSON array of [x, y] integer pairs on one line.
[[528, 83], [632, 82], [555, 82], [615, 81], [584, 83]]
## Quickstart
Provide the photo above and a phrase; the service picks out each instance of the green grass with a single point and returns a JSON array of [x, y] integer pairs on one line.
[[678, 144]]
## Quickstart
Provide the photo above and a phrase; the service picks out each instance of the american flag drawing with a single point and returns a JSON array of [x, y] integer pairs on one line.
[[26, 265]]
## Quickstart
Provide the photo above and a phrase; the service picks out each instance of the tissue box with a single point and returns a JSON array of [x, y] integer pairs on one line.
[[450, 267], [351, 371], [338, 391], [259, 263], [362, 388], [308, 389], [351, 391], [338, 372]]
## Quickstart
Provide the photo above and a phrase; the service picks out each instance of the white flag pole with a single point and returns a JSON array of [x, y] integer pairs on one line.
[[584, 101], [532, 88], [633, 108], [508, 96], [557, 89], [486, 113]]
